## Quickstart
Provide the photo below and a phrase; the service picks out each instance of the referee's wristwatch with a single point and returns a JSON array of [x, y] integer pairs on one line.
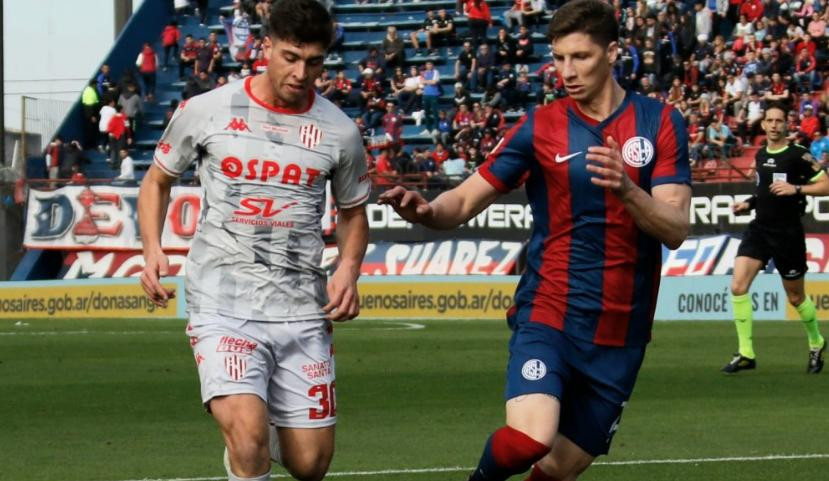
[[797, 189]]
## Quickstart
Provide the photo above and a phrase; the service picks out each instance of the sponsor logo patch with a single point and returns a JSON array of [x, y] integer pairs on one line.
[[235, 344]]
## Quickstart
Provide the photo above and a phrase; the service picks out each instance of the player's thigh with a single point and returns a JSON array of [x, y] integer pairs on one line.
[[232, 356], [745, 270], [302, 389], [790, 258], [537, 373], [602, 383], [242, 418]]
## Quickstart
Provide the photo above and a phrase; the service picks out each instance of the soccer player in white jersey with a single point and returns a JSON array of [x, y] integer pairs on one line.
[[259, 306]]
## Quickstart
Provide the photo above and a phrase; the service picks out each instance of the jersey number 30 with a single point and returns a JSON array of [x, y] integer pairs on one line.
[[327, 401]]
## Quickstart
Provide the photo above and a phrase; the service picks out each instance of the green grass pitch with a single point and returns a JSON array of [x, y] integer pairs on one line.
[[114, 400]]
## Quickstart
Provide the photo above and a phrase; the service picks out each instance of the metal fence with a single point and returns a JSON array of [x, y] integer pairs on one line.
[[42, 117]]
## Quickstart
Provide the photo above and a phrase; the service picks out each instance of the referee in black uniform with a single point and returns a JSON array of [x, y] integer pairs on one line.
[[786, 173]]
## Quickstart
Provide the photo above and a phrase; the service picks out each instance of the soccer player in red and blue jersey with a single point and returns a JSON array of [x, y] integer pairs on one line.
[[606, 173]]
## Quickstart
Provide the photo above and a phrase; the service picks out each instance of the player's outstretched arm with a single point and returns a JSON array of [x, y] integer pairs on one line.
[[352, 240], [153, 198], [448, 210], [664, 214]]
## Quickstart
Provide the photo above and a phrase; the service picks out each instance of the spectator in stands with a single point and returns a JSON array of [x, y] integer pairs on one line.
[[440, 155], [375, 62], [485, 64], [461, 97], [749, 117], [422, 34], [392, 123], [72, 155], [335, 51], [170, 37], [132, 107], [342, 90], [720, 139], [325, 84], [506, 84], [805, 75], [462, 126], [127, 166], [523, 89], [201, 11], [430, 79], [696, 139], [105, 115], [465, 66], [474, 158], [261, 63], [119, 136], [820, 148], [394, 52], [385, 173], [216, 53], [89, 103], [523, 48], [442, 32], [533, 12], [188, 55], [515, 14], [809, 124], [454, 167], [103, 81], [477, 11], [147, 63], [204, 57], [54, 156], [504, 47], [444, 135]]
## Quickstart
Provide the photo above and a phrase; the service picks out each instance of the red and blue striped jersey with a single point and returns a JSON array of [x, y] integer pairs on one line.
[[591, 272]]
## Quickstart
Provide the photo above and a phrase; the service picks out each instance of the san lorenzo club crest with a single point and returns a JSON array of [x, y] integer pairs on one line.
[[533, 370], [637, 152]]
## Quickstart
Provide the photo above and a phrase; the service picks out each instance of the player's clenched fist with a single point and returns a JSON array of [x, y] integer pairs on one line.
[[409, 204], [156, 266]]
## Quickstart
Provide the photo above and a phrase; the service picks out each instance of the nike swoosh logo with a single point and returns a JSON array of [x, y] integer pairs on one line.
[[560, 159]]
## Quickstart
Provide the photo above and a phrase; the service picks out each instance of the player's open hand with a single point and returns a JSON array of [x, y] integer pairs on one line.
[[781, 188], [156, 266], [408, 204], [343, 300], [606, 163]]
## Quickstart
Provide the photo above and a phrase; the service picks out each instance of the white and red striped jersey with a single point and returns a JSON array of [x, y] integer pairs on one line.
[[256, 253]]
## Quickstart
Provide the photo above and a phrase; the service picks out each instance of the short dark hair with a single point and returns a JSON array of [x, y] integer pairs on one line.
[[595, 18], [301, 21], [778, 106]]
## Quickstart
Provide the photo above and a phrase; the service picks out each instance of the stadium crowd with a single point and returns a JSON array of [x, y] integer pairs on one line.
[[718, 61]]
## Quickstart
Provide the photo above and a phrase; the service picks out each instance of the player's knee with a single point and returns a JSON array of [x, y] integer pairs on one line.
[[308, 465], [561, 470], [796, 298], [248, 450], [738, 288], [515, 450]]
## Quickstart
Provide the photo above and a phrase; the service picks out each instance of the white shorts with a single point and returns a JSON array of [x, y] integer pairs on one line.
[[290, 365]]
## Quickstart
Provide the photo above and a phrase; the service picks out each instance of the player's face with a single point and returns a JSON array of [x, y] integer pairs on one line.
[[292, 69], [774, 124], [584, 64]]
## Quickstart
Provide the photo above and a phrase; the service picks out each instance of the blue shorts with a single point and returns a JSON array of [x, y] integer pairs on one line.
[[422, 36], [593, 383]]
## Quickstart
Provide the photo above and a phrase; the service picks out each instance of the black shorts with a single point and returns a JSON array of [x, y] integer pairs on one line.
[[786, 246]]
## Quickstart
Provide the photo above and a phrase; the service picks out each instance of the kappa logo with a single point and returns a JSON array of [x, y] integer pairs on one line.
[[238, 124], [560, 159], [164, 147], [533, 370], [637, 152], [310, 135]]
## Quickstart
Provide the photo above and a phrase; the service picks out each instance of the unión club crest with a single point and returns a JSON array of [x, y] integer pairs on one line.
[[310, 135], [637, 152], [236, 366]]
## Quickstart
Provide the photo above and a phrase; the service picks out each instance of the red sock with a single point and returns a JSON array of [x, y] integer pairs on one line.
[[513, 449], [538, 475]]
